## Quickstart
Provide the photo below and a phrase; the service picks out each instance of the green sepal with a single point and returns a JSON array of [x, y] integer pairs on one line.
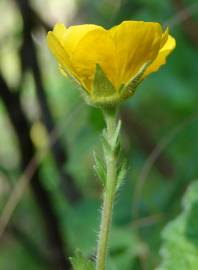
[[100, 169], [77, 83], [129, 89], [102, 86], [121, 173], [66, 73], [79, 262]]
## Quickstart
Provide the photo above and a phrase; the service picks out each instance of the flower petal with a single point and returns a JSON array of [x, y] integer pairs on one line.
[[161, 57], [96, 47], [69, 37], [59, 31], [62, 42], [136, 43], [57, 49]]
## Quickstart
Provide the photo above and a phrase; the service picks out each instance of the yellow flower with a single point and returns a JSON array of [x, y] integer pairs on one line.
[[109, 64]]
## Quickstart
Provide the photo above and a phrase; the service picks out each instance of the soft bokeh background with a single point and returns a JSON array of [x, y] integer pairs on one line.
[[47, 137]]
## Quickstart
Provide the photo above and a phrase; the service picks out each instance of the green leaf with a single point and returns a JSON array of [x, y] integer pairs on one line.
[[116, 134], [102, 87], [100, 169], [180, 237], [118, 150], [115, 145], [79, 262], [121, 173], [105, 144]]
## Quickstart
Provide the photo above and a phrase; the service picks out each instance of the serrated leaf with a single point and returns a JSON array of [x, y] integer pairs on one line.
[[102, 86], [79, 262], [121, 173], [180, 237], [105, 144], [116, 134], [117, 150], [100, 169], [115, 145]]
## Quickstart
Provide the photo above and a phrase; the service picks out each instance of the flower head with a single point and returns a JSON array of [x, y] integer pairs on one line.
[[109, 64]]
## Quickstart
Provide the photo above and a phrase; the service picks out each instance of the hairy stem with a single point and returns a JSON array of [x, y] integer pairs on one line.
[[109, 190]]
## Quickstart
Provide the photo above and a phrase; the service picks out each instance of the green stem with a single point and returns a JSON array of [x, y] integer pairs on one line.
[[109, 192]]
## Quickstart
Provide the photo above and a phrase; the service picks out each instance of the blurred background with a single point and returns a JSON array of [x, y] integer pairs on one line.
[[49, 195]]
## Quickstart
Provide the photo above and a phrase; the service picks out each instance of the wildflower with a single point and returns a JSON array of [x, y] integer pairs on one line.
[[109, 64]]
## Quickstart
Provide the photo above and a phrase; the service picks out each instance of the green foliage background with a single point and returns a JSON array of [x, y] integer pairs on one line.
[[163, 112]]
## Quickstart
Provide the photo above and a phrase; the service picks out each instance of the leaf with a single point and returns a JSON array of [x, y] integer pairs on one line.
[[105, 144], [114, 146], [116, 134], [79, 262], [102, 87], [180, 237], [100, 169], [121, 173]]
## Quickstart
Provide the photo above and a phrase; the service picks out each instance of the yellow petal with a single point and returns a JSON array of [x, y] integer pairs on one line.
[[164, 37], [162, 55], [57, 49], [96, 47], [126, 53], [59, 31], [62, 42], [69, 37], [136, 43]]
